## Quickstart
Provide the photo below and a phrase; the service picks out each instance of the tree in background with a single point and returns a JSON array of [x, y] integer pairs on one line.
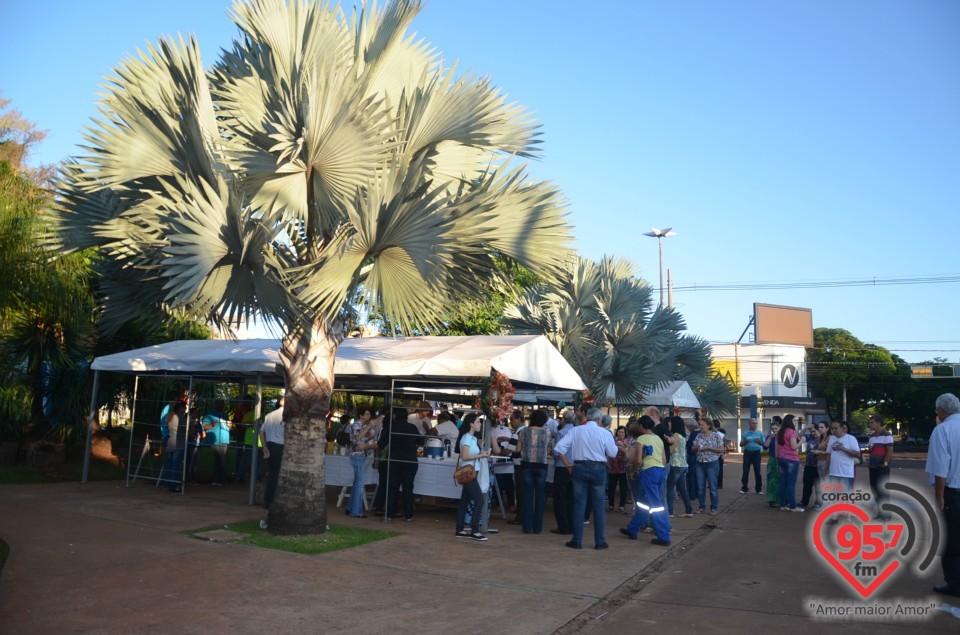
[[840, 364], [323, 157], [601, 318], [47, 312]]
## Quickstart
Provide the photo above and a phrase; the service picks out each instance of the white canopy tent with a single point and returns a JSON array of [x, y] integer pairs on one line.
[[526, 359], [431, 364], [677, 394]]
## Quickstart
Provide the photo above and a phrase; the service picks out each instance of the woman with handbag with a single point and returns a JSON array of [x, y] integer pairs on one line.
[[469, 450]]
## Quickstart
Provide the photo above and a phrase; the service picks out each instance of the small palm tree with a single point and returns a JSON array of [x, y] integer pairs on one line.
[[601, 318], [324, 157]]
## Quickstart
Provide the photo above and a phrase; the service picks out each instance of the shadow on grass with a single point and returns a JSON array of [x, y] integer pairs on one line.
[[71, 471], [334, 539]]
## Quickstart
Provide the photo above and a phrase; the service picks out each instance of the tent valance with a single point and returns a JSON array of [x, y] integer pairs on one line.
[[525, 359]]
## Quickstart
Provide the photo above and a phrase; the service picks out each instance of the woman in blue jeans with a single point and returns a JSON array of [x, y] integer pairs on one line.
[[708, 447], [788, 462], [677, 477], [533, 447], [469, 454]]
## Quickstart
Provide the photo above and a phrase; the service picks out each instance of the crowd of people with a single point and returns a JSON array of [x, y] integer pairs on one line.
[[644, 469]]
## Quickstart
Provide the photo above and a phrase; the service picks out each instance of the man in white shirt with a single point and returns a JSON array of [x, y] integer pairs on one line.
[[271, 437], [943, 464], [843, 450], [552, 425], [584, 452], [422, 417], [446, 429], [503, 466]]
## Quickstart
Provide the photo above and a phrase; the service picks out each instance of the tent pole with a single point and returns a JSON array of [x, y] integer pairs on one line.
[[386, 486], [133, 422], [257, 409], [90, 419], [183, 466]]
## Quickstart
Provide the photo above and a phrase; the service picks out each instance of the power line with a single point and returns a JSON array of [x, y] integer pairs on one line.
[[816, 284]]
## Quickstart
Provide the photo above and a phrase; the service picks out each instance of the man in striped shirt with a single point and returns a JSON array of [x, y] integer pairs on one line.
[[881, 451]]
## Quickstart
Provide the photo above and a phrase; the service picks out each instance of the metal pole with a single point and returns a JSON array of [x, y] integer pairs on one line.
[[133, 422], [93, 412], [256, 441], [183, 477], [386, 486], [660, 247]]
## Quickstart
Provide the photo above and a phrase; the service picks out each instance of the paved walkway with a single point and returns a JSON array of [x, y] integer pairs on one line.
[[104, 558]]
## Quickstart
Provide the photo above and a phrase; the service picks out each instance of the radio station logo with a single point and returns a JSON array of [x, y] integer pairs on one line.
[[866, 553]]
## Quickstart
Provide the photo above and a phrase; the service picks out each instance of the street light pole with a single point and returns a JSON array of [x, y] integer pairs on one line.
[[660, 234]]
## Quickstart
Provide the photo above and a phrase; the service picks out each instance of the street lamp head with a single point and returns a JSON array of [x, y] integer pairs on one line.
[[660, 233]]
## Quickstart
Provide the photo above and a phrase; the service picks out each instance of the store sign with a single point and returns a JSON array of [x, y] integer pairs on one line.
[[790, 376], [785, 403]]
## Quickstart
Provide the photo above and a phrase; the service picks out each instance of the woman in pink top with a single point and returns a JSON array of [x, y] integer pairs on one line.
[[788, 460]]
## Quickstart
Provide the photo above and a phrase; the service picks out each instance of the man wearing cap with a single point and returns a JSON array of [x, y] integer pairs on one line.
[[584, 453]]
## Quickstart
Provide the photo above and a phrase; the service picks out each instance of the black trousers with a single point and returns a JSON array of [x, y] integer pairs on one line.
[[507, 489], [518, 489], [380, 497], [273, 473], [811, 478], [751, 458], [402, 475], [950, 560], [613, 480], [470, 492], [563, 499], [720, 475], [878, 477]]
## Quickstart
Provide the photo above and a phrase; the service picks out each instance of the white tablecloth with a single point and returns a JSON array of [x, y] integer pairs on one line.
[[339, 472], [434, 476]]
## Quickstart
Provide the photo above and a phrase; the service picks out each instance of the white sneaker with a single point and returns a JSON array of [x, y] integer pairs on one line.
[[798, 509], [760, 493]]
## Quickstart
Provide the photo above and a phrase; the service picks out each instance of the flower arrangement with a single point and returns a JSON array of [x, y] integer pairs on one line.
[[496, 398]]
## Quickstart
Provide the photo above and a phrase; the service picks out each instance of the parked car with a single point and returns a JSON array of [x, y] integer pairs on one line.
[[916, 440], [864, 442]]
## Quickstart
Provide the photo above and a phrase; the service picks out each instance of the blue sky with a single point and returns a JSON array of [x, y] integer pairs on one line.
[[806, 141]]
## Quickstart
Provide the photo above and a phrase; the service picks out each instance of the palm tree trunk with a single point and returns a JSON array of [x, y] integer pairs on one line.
[[299, 506]]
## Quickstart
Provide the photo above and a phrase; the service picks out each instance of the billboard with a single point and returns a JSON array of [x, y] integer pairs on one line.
[[775, 324]]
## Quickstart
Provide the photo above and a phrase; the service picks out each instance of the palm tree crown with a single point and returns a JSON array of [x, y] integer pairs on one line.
[[320, 155]]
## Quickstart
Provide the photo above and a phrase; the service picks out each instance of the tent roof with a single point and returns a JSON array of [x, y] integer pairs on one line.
[[525, 359], [674, 393]]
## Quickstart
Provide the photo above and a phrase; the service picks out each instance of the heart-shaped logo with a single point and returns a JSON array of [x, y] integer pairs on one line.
[[857, 549]]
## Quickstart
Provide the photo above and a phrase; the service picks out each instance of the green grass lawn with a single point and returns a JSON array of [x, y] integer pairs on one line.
[[334, 539]]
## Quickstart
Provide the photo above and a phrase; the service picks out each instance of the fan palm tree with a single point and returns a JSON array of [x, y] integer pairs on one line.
[[601, 318], [325, 156]]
